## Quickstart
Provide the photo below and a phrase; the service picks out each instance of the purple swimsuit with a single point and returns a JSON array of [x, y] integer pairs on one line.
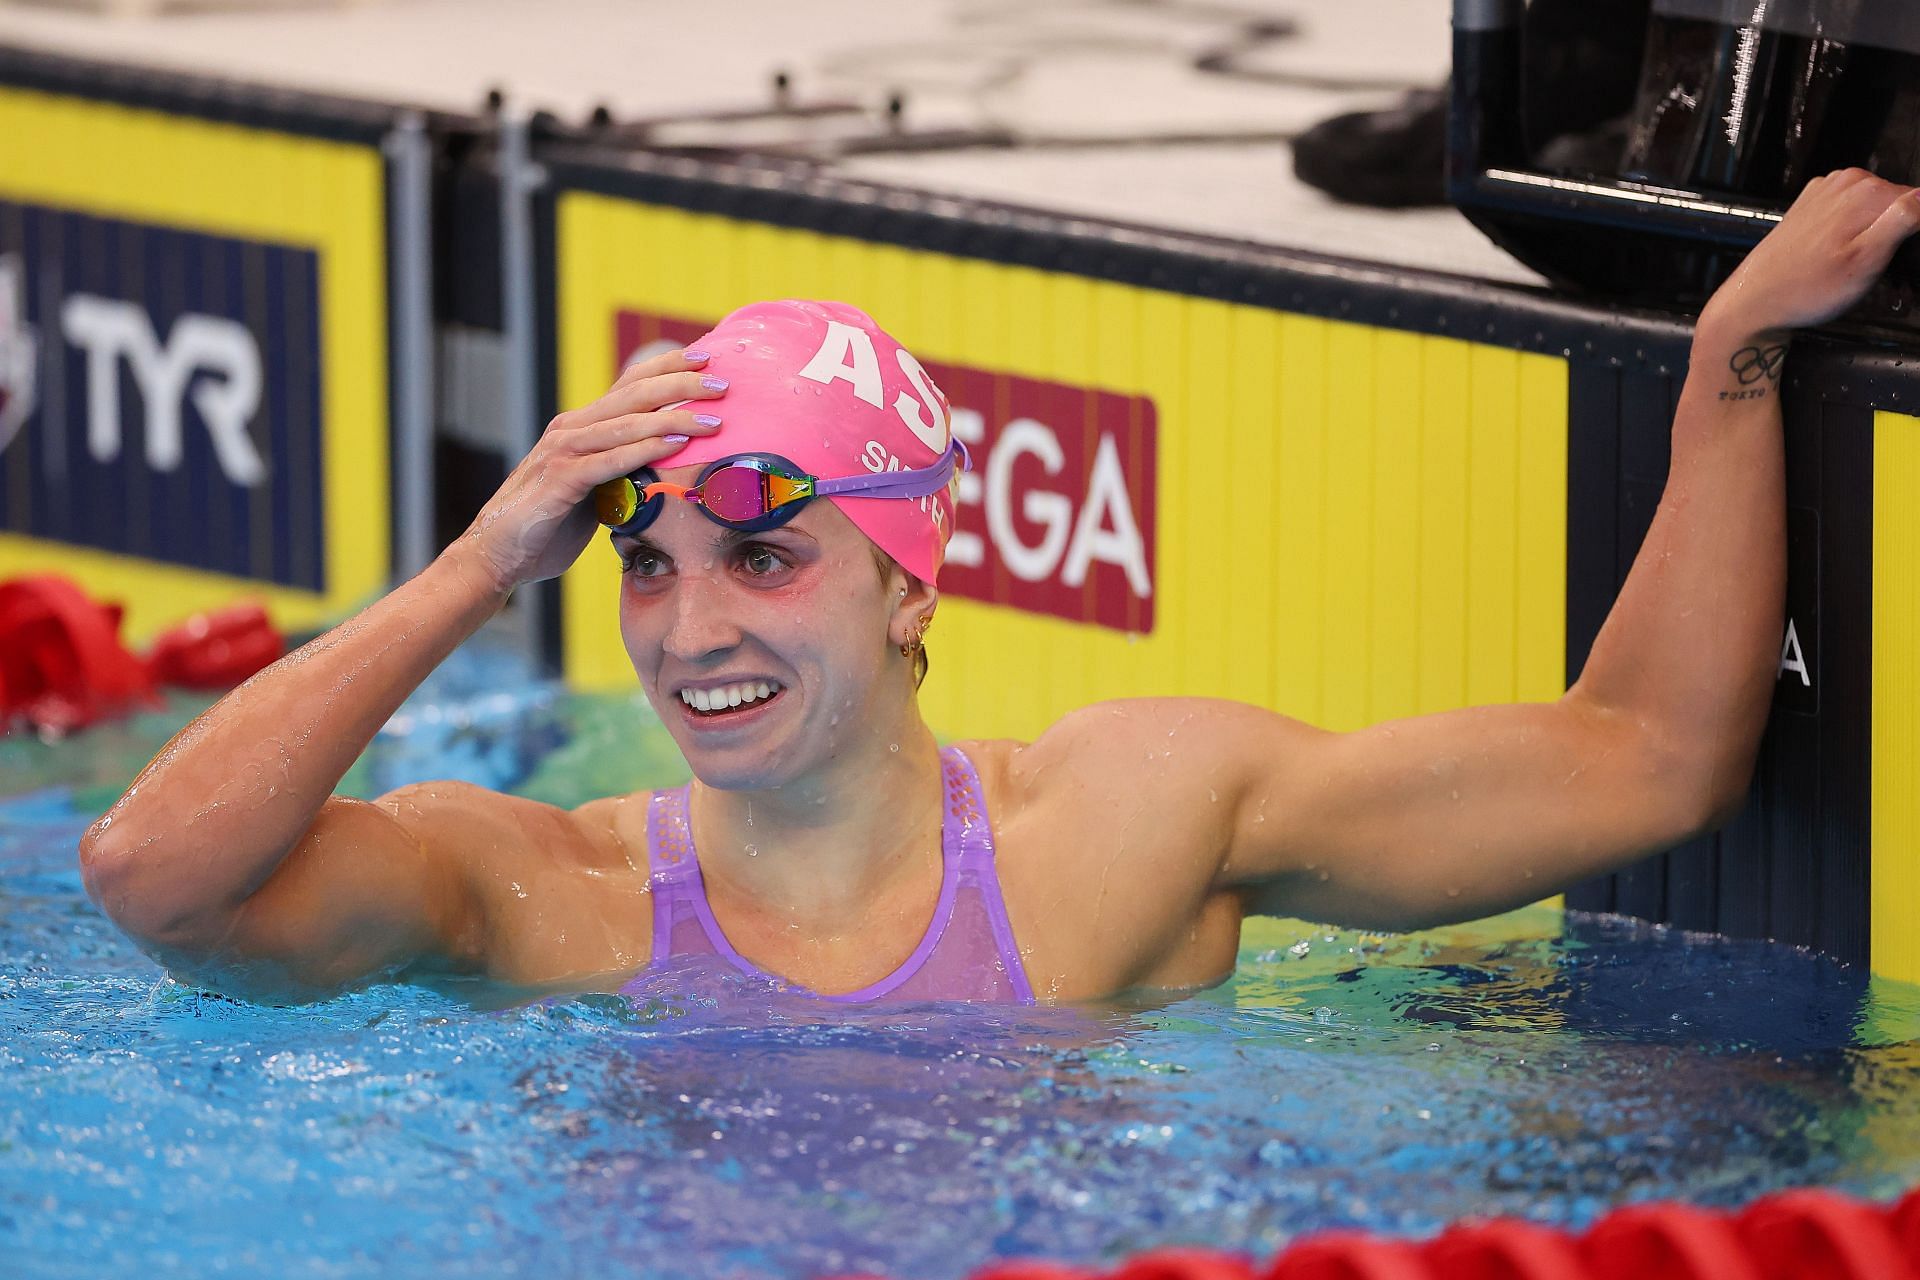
[[968, 952]]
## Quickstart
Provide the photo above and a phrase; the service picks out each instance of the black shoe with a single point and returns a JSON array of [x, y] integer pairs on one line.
[[1393, 159]]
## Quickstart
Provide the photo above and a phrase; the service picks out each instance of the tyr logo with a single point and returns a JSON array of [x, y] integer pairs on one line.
[[110, 331], [19, 350]]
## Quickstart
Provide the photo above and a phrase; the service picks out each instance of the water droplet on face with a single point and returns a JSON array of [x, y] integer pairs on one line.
[[753, 851], [741, 345], [893, 746]]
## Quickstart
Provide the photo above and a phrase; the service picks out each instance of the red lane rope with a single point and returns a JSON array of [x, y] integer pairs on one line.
[[1795, 1235]]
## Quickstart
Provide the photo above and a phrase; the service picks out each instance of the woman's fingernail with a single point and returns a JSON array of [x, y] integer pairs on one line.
[[694, 357], [676, 440], [706, 419], [711, 383]]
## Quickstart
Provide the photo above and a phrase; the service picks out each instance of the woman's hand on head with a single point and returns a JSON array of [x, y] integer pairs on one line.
[[1826, 253], [541, 518]]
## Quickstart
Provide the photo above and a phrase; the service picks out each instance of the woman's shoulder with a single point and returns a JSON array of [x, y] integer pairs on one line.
[[1102, 734], [618, 824], [1097, 765], [1017, 769]]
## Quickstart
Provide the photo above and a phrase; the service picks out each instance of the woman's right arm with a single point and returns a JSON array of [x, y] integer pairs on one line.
[[229, 856]]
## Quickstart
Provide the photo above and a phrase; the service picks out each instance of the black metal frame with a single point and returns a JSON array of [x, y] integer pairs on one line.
[[1582, 231]]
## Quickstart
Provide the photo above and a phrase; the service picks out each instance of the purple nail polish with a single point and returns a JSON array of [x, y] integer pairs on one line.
[[695, 357], [711, 383], [676, 439], [706, 419]]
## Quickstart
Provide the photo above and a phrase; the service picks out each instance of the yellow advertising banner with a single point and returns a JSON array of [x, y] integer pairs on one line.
[[193, 361], [1895, 803]]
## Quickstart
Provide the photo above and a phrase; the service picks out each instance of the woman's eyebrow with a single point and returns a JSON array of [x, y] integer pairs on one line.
[[629, 542], [734, 537]]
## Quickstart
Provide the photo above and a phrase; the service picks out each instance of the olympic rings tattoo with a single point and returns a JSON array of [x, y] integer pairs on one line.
[[1750, 364]]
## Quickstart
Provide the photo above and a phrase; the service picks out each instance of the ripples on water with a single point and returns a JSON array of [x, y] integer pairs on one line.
[[715, 1128]]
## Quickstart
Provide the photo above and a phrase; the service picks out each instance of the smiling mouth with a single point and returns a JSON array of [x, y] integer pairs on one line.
[[730, 699]]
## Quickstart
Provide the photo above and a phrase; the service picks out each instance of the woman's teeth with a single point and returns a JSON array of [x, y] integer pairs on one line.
[[729, 696]]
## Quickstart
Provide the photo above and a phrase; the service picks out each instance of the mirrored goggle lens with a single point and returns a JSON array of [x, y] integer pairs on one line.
[[734, 493], [616, 501]]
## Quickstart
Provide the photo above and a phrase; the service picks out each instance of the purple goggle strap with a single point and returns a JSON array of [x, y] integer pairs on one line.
[[917, 483]]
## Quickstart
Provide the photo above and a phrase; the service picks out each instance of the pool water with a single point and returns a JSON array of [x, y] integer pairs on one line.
[[714, 1128]]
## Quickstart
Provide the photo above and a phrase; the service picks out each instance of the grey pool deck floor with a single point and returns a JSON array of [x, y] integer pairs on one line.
[[1168, 113]]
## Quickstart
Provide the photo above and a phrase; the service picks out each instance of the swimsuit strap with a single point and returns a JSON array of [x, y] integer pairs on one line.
[[672, 867], [965, 836], [670, 857], [966, 841]]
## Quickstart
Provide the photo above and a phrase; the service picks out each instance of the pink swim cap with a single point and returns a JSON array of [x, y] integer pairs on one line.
[[822, 385]]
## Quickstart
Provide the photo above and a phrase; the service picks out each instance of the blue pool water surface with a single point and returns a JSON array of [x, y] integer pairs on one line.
[[714, 1129]]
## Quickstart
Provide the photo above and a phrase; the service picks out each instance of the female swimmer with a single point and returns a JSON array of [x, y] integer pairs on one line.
[[826, 838]]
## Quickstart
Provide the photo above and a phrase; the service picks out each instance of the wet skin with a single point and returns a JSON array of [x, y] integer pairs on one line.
[[1133, 836]]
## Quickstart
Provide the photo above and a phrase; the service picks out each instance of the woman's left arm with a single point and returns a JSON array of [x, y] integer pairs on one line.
[[1465, 813], [1470, 812]]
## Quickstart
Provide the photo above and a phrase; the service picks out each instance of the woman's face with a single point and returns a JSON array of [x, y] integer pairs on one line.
[[711, 617]]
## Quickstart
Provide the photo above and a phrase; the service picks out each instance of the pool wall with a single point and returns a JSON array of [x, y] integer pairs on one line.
[[1341, 489]]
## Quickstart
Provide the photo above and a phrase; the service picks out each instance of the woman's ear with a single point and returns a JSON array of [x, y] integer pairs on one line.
[[913, 605]]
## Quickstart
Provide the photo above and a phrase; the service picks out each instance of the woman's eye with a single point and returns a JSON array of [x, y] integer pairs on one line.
[[760, 560], [642, 563]]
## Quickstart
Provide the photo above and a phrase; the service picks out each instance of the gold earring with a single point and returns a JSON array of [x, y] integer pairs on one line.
[[918, 638]]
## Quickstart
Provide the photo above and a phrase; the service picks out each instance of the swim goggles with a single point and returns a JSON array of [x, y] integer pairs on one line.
[[755, 491]]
